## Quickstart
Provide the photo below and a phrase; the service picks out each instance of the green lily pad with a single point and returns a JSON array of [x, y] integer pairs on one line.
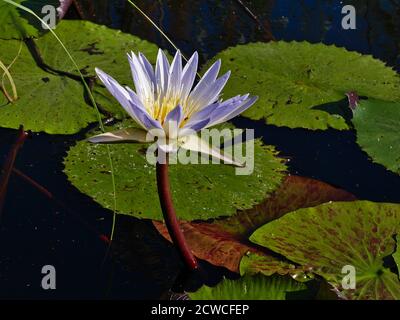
[[92, 46], [46, 102], [293, 78], [199, 191], [17, 24], [331, 236], [378, 131], [224, 242], [250, 288]]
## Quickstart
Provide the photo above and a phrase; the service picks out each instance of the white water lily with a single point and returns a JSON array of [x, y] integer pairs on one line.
[[165, 104]]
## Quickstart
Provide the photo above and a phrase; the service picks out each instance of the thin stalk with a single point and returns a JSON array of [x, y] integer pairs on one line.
[[11, 80], [90, 96], [5, 173], [155, 26], [171, 221]]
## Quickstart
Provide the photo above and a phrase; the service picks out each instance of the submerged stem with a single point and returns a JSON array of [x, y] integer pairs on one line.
[[171, 221]]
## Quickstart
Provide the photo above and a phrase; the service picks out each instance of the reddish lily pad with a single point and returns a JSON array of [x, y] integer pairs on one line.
[[224, 242], [331, 236]]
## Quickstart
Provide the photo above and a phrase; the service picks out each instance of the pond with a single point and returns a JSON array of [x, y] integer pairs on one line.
[[69, 230]]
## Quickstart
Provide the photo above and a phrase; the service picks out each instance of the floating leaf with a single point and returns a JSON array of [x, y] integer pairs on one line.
[[224, 242], [331, 236], [200, 191], [46, 102], [250, 288], [17, 24], [92, 46], [378, 131], [261, 263], [293, 78]]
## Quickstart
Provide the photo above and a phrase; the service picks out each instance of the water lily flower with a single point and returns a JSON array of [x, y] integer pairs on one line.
[[165, 101]]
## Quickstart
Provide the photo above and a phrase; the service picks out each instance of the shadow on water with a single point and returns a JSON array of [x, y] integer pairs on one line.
[[35, 231]]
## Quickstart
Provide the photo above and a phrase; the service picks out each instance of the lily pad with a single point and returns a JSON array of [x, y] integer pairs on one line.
[[293, 78], [17, 24], [92, 46], [378, 131], [224, 242], [331, 236], [200, 191], [250, 288], [46, 102]]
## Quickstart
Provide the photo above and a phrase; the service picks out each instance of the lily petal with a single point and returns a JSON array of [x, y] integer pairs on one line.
[[148, 67], [123, 135], [172, 121], [194, 143], [230, 109], [189, 75], [143, 83], [162, 73], [205, 83], [175, 75]]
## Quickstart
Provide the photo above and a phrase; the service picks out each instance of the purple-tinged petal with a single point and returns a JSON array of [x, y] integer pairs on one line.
[[204, 113], [162, 73], [143, 83], [189, 75], [172, 122], [238, 110], [136, 111], [175, 75], [148, 67], [115, 89], [193, 127], [211, 95], [175, 115], [206, 81]]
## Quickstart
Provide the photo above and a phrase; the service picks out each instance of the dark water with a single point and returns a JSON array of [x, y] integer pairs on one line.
[[35, 231]]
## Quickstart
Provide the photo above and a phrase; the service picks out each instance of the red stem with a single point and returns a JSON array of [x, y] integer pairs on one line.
[[171, 221], [5, 173]]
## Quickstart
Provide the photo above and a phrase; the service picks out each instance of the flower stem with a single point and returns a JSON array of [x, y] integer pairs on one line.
[[171, 221]]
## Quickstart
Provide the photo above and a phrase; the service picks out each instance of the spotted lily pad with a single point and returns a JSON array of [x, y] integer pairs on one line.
[[250, 288], [17, 24], [331, 236], [200, 191], [378, 131], [46, 102], [224, 242], [293, 78]]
